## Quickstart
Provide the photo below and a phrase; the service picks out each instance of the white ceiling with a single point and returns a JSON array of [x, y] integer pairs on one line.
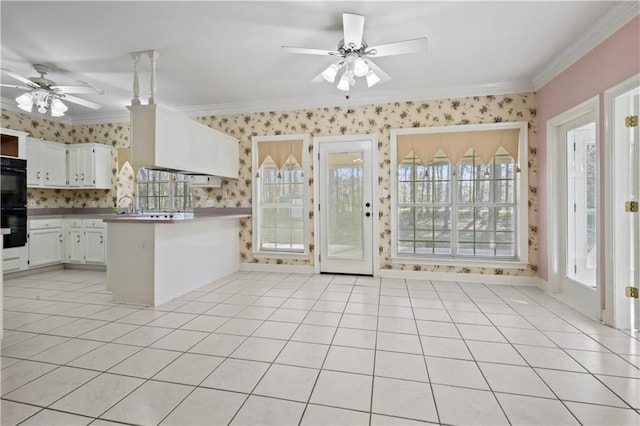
[[224, 57]]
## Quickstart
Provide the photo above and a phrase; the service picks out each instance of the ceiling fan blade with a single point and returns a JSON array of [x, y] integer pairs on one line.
[[77, 89], [19, 78], [398, 48], [305, 51], [14, 86], [353, 26], [79, 101]]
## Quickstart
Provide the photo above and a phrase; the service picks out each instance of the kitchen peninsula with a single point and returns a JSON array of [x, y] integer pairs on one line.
[[155, 259]]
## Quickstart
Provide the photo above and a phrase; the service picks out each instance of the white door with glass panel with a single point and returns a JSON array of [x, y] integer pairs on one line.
[[580, 188], [345, 205]]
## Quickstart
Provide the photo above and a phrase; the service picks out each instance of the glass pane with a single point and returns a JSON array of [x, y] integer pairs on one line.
[[581, 205], [282, 206], [345, 209]]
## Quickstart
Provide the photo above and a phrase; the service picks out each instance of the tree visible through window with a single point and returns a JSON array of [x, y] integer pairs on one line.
[[281, 206], [466, 210]]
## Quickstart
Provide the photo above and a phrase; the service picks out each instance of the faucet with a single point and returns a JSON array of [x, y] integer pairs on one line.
[[132, 204]]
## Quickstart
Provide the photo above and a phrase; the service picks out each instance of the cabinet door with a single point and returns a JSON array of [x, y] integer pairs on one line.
[[55, 165], [35, 162], [87, 172], [75, 246], [73, 167], [95, 246], [45, 247]]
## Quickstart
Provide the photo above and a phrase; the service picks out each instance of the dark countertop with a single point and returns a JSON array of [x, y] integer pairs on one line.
[[107, 214]]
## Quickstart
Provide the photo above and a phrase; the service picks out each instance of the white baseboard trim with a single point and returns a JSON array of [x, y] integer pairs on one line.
[[460, 277], [263, 267]]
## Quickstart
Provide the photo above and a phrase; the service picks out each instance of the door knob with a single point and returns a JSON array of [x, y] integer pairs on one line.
[[367, 214], [367, 205]]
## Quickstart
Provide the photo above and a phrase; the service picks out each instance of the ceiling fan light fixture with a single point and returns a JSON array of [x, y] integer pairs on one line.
[[344, 83], [58, 108], [330, 73], [360, 67], [25, 102], [372, 78]]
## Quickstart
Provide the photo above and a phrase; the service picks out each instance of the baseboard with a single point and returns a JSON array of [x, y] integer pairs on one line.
[[264, 267], [461, 277], [32, 271], [84, 267]]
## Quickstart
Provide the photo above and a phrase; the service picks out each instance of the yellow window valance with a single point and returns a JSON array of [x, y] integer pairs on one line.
[[280, 151], [454, 145]]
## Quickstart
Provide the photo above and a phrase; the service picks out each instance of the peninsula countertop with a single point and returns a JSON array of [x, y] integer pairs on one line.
[[106, 214], [174, 218]]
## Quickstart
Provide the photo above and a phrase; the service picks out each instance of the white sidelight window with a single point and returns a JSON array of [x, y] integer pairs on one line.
[[458, 193], [280, 194]]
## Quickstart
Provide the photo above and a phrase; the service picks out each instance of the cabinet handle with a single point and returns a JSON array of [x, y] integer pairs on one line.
[[60, 239], [76, 177], [46, 176], [78, 239], [38, 175], [101, 239], [82, 177]]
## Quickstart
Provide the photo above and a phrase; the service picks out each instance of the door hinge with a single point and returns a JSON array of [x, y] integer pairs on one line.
[[631, 206], [631, 292], [575, 269], [631, 121]]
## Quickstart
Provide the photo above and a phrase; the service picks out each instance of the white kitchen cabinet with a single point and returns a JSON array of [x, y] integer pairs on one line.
[[46, 164], [15, 259], [161, 138], [45, 242], [89, 166], [85, 241]]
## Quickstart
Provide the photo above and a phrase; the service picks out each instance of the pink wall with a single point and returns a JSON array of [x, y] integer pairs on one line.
[[611, 62]]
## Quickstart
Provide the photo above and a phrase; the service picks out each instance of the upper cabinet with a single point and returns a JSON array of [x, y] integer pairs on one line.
[[161, 138], [46, 164], [13, 143], [56, 165], [89, 166]]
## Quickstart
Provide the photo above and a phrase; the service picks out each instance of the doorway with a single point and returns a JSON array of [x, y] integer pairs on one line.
[[574, 237], [622, 225], [345, 208]]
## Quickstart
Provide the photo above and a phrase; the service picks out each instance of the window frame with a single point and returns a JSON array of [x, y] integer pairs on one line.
[[522, 209], [256, 218]]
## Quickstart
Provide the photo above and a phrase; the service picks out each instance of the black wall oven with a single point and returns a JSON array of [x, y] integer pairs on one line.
[[13, 209]]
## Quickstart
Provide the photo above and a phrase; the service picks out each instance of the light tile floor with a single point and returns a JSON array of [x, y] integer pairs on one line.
[[258, 348]]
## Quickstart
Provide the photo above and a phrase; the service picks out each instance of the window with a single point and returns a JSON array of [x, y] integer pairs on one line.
[[458, 192], [163, 191], [280, 194]]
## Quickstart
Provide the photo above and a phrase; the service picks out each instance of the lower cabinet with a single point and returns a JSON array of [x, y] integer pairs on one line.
[[45, 242], [86, 241], [56, 241], [15, 259]]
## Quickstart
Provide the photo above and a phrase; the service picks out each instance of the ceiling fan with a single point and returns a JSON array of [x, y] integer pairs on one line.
[[45, 93], [355, 55]]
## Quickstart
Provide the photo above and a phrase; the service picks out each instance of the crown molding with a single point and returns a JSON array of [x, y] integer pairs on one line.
[[124, 117], [338, 99], [610, 22]]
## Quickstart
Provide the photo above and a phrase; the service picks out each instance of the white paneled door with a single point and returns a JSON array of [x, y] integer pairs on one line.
[[346, 211]]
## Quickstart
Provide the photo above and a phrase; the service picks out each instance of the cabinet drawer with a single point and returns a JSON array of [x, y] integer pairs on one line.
[[74, 223], [94, 223], [45, 223]]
